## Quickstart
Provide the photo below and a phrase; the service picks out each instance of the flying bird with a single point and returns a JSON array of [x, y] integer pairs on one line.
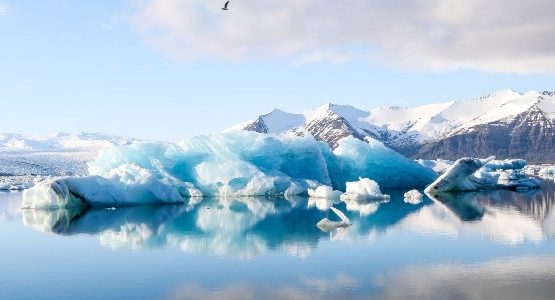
[[225, 6]]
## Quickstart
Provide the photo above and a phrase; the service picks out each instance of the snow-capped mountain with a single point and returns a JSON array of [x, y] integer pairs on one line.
[[506, 124], [59, 154], [59, 141]]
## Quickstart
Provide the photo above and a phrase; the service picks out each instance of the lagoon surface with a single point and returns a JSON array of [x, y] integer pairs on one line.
[[495, 245]]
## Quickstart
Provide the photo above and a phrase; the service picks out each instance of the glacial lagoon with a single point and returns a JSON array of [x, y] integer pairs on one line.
[[491, 245]]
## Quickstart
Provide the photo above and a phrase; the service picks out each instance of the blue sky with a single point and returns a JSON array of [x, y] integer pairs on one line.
[[123, 67]]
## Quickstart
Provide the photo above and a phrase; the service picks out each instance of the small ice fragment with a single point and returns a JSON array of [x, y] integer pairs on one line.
[[327, 225], [413, 197], [323, 191], [363, 189]]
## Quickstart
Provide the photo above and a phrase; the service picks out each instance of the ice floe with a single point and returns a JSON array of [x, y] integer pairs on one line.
[[471, 174], [413, 197], [327, 225]]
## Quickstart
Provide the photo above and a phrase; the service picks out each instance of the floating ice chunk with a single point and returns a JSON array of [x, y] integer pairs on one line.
[[515, 179], [507, 164], [470, 174], [413, 197], [324, 191], [363, 189], [17, 182], [49, 194], [547, 172], [457, 177], [327, 225], [125, 185], [363, 196]]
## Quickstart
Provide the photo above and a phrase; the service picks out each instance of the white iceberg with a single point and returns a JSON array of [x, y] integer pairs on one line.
[[363, 189], [236, 163], [125, 185], [471, 174], [547, 172], [413, 197], [324, 191], [327, 225]]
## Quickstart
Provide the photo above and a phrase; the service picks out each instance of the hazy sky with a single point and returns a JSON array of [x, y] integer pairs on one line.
[[166, 69]]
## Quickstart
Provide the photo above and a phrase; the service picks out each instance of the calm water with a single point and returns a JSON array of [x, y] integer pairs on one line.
[[495, 245]]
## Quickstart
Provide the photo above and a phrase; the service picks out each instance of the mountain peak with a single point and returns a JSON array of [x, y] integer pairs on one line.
[[406, 129]]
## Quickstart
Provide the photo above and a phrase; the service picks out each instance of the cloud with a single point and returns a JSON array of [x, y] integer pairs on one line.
[[489, 35]]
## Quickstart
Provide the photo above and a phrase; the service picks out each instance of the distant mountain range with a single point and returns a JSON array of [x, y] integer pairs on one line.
[[60, 141], [506, 124]]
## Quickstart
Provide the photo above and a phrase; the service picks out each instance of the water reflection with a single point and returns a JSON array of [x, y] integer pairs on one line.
[[247, 227], [504, 216], [522, 278]]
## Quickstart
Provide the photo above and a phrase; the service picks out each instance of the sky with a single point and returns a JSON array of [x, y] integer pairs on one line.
[[170, 69]]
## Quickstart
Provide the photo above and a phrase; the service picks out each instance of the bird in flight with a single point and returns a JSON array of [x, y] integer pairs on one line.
[[225, 6]]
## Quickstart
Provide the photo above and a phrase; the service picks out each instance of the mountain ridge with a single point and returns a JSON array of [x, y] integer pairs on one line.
[[418, 131]]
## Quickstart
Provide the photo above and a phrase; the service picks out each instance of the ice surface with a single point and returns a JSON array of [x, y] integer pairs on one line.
[[547, 172], [129, 184], [375, 161], [363, 196], [363, 189], [507, 164], [471, 174], [59, 141], [413, 197], [327, 225], [238, 163], [324, 191], [440, 166]]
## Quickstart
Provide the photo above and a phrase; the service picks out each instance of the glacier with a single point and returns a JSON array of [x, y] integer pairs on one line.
[[237, 163]]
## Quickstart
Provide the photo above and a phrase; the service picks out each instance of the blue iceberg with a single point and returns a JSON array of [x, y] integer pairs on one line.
[[234, 164]]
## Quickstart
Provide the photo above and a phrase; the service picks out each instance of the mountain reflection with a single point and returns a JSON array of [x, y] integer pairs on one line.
[[247, 227]]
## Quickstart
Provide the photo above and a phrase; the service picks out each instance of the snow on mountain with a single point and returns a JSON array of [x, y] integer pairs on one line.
[[408, 129], [58, 154], [275, 121], [58, 141]]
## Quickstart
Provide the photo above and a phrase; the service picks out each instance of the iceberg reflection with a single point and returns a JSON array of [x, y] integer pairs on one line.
[[250, 226]]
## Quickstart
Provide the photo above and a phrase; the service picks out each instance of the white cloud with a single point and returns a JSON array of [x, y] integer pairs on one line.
[[491, 35], [319, 56]]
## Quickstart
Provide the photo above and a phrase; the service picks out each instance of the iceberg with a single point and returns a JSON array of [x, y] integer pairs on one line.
[[127, 184], [236, 163], [324, 191], [547, 172], [413, 197], [327, 225], [363, 189], [472, 174], [363, 196]]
